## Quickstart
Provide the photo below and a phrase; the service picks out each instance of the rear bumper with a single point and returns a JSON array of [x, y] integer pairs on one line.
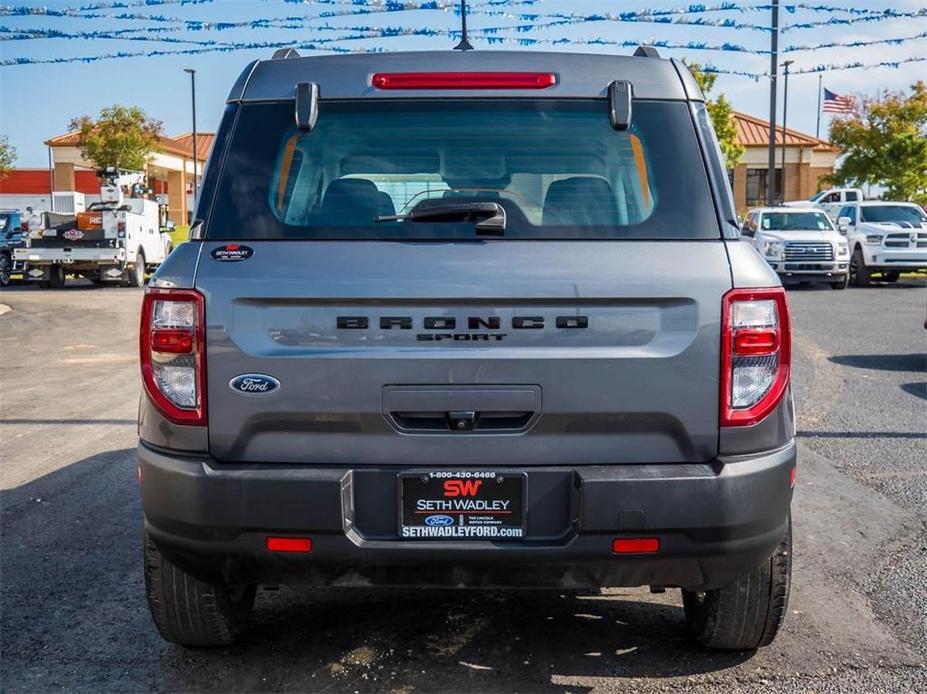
[[714, 521], [50, 256], [812, 272]]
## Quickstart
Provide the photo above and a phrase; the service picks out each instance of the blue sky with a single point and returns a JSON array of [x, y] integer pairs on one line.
[[38, 101]]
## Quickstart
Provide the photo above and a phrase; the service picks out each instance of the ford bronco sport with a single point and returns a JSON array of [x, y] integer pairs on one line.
[[488, 325]]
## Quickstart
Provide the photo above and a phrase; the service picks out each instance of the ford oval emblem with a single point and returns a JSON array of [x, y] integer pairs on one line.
[[439, 520], [254, 384]]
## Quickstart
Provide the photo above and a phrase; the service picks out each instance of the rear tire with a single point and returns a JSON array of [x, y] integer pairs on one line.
[[859, 273], [56, 277], [6, 267], [135, 274], [890, 276], [842, 283], [191, 612], [747, 613]]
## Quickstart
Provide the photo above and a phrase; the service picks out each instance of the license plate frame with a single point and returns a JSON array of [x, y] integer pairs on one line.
[[461, 505]]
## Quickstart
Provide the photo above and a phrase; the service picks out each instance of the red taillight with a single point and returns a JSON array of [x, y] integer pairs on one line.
[[463, 80], [636, 545], [289, 544], [172, 353], [753, 342], [172, 340], [755, 354]]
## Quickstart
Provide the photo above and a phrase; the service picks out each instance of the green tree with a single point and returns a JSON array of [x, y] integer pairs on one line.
[[122, 136], [7, 156], [884, 142], [722, 116]]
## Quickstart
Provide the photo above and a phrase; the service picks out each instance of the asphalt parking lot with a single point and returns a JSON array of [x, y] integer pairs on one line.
[[72, 612]]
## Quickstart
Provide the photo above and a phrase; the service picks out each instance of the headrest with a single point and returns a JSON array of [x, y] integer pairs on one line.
[[580, 201]]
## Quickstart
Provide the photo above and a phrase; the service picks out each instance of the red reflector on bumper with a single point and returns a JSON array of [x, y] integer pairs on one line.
[[636, 545], [289, 544]]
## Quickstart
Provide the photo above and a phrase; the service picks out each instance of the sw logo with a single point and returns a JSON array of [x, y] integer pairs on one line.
[[462, 487]]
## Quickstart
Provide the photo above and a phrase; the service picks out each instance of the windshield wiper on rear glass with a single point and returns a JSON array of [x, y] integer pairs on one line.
[[489, 216]]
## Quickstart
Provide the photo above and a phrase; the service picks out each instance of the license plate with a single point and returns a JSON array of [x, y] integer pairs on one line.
[[462, 505]]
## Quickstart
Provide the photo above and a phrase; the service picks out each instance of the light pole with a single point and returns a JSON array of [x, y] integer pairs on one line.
[[773, 70], [785, 111], [192, 74]]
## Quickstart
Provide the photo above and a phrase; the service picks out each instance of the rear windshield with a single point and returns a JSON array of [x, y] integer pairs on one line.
[[557, 168], [796, 221], [891, 213]]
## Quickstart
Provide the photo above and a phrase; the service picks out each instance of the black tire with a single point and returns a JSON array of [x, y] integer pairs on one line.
[[6, 267], [56, 277], [135, 274], [747, 613], [191, 612], [890, 276], [842, 283], [859, 273]]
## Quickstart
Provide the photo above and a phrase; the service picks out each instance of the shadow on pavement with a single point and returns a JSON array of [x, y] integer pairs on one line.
[[883, 362], [67, 421], [74, 618], [917, 389], [811, 434], [362, 640]]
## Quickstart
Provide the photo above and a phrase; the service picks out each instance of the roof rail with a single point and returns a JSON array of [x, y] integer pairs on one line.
[[646, 52], [284, 53]]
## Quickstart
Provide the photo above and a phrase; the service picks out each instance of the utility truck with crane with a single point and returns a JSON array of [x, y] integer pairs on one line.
[[116, 240]]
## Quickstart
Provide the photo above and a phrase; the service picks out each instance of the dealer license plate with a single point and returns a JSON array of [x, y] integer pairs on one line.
[[462, 505]]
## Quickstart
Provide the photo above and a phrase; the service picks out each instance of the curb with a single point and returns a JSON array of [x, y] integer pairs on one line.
[[4, 309]]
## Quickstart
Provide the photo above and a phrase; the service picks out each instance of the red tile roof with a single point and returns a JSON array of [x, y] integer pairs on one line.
[[203, 143], [182, 145], [754, 132]]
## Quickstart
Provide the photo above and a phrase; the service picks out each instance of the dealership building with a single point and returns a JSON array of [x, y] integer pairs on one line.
[[171, 170], [70, 182]]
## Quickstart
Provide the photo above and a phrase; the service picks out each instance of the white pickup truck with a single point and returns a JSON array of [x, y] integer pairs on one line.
[[830, 200], [885, 239], [116, 240], [801, 245]]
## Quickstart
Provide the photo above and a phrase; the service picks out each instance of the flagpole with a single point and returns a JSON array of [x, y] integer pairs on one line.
[[817, 130]]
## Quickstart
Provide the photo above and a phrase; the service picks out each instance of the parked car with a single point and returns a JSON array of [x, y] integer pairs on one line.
[[491, 324], [11, 237], [885, 239], [830, 200], [799, 244]]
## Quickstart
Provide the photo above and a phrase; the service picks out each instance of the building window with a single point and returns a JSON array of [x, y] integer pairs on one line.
[[756, 186]]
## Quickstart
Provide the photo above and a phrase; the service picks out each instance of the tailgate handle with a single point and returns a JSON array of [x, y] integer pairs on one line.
[[461, 409]]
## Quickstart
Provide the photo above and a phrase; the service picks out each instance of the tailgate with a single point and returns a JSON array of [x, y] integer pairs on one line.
[[551, 352]]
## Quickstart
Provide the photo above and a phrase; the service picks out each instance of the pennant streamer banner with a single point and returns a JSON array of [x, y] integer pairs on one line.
[[160, 27]]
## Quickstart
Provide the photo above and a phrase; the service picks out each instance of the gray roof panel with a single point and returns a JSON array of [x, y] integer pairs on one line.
[[348, 76]]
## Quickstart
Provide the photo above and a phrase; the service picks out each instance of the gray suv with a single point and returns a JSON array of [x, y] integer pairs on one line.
[[489, 324]]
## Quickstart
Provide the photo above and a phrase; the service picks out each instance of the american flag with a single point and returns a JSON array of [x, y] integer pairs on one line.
[[835, 103]]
